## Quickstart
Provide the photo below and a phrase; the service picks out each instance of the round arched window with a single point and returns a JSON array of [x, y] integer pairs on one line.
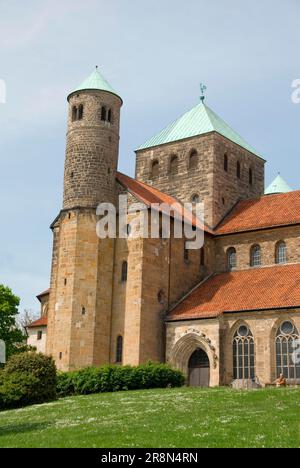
[[281, 252], [161, 297], [155, 168], [174, 164], [255, 256], [231, 258], [193, 160], [195, 198]]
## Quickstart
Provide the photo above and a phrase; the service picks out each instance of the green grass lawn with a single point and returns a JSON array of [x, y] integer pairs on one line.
[[185, 417]]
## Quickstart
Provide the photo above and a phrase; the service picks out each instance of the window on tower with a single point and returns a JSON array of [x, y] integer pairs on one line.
[[77, 113], [155, 168], [103, 114], [119, 350], [250, 177], [174, 164], [80, 112], [106, 114], [225, 162], [195, 198], [193, 161], [124, 272], [74, 113], [186, 256]]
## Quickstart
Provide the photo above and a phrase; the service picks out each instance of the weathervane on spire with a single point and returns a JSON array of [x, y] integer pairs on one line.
[[203, 88]]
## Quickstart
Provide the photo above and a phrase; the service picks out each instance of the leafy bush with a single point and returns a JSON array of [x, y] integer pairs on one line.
[[27, 378], [116, 378]]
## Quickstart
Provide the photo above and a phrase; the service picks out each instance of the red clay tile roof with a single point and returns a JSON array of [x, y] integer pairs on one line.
[[267, 211], [41, 322], [254, 289], [150, 195], [44, 293]]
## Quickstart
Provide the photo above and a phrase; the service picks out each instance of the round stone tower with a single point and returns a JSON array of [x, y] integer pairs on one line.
[[92, 144]]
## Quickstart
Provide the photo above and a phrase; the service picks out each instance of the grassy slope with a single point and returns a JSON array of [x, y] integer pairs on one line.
[[186, 417]]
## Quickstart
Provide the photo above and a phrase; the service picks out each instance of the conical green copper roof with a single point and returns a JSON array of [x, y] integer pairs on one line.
[[198, 121], [95, 81], [278, 185]]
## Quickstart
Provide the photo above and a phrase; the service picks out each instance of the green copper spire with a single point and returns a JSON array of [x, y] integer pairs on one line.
[[96, 81], [278, 185], [198, 121]]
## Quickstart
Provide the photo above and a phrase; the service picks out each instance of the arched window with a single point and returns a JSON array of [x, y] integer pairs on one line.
[[155, 168], [286, 345], [243, 354], [231, 258], [119, 350], [80, 112], [255, 256], [193, 161], [195, 198], [124, 272], [109, 116], [74, 113], [238, 170], [281, 252], [174, 164], [103, 113], [250, 177], [225, 162], [161, 297]]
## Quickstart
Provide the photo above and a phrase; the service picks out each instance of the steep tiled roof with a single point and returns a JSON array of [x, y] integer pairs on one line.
[[259, 213], [254, 289], [150, 195], [41, 322], [198, 121]]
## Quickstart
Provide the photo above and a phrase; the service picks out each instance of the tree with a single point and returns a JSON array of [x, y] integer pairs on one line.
[[26, 318], [9, 332]]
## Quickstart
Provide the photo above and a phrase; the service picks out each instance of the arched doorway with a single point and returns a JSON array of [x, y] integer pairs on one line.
[[199, 370]]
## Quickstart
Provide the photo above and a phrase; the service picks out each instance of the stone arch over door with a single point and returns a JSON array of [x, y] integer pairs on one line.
[[185, 347]]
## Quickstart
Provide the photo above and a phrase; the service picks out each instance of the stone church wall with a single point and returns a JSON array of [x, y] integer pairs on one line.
[[267, 239]]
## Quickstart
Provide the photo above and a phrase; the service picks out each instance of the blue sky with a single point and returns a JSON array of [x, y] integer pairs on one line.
[[155, 54]]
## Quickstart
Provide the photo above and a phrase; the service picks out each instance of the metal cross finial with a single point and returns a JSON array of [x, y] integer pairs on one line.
[[96, 67], [203, 88]]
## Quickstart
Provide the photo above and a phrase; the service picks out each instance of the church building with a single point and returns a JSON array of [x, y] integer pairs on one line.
[[227, 313]]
